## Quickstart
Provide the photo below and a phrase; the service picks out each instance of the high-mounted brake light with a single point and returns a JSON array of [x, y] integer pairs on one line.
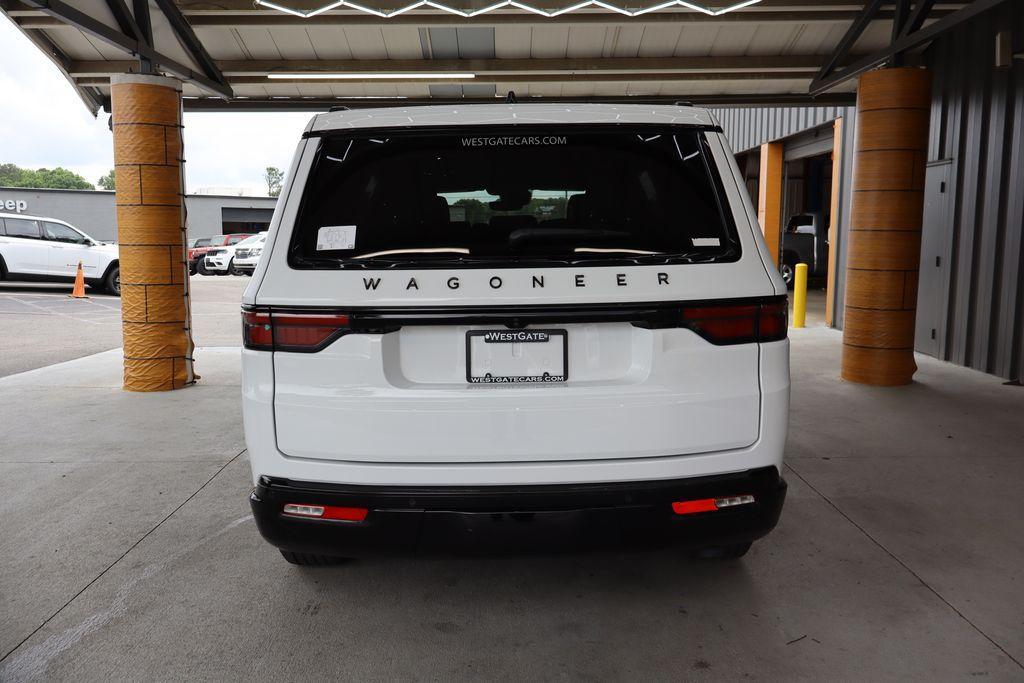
[[300, 332], [689, 507], [738, 323], [332, 512]]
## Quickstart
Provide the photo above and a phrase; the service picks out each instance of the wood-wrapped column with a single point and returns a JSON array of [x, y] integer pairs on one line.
[[769, 197], [893, 111], [155, 312]]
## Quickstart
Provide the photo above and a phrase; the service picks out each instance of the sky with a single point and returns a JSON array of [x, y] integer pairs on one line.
[[43, 123]]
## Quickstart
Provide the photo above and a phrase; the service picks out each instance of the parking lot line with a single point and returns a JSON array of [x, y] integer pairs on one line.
[[62, 315]]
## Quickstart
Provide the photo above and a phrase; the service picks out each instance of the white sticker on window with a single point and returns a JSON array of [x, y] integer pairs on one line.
[[706, 242], [334, 237]]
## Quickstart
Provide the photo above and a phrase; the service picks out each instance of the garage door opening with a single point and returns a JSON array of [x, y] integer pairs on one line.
[[798, 207], [235, 220], [807, 215]]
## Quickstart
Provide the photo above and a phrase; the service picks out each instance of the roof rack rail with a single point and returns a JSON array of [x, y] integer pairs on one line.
[[338, 107]]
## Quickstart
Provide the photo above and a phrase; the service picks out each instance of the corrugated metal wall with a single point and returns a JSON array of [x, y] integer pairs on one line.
[[748, 127], [978, 124]]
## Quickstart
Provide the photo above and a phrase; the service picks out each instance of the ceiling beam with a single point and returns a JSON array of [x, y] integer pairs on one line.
[[902, 44], [272, 19], [244, 12], [188, 39], [125, 19], [87, 24], [635, 77], [235, 71], [514, 66], [853, 33], [143, 19], [922, 10], [762, 8], [312, 104], [594, 77]]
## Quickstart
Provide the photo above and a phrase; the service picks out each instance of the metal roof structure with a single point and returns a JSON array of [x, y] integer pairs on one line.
[[313, 54], [507, 115]]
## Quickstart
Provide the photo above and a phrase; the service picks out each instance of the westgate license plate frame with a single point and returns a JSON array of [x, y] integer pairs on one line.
[[537, 379]]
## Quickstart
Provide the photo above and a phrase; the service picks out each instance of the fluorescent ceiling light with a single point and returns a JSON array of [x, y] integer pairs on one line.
[[503, 4], [733, 8], [282, 8], [349, 75]]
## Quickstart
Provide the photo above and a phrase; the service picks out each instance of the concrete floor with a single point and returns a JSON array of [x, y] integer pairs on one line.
[[42, 325], [128, 552], [815, 307]]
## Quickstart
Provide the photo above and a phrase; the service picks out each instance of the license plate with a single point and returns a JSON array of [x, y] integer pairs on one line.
[[517, 356]]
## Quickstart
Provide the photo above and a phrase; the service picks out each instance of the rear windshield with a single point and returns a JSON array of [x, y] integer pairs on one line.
[[516, 197]]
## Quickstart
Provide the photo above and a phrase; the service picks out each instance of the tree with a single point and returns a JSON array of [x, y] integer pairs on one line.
[[57, 178], [107, 182], [9, 175], [274, 177]]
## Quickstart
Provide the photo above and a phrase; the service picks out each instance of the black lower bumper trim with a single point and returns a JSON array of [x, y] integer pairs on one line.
[[410, 518]]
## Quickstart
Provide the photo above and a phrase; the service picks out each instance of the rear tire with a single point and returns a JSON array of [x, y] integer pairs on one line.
[[788, 272], [112, 282], [732, 551], [311, 559]]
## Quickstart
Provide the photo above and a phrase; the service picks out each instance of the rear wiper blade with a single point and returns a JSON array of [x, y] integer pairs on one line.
[[413, 250]]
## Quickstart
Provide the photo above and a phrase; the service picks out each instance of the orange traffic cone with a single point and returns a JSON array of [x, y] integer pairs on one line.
[[79, 291]]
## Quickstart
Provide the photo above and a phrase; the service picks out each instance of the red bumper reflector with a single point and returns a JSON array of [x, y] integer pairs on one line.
[[689, 507], [344, 514]]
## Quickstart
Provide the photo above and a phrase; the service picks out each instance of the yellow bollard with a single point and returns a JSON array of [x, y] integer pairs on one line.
[[800, 295]]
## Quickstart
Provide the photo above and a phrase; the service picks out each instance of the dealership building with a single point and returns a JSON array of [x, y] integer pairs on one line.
[[95, 213]]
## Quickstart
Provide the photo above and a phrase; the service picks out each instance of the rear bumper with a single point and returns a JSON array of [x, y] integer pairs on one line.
[[408, 518]]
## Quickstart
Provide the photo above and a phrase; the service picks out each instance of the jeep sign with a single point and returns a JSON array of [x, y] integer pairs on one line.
[[14, 205]]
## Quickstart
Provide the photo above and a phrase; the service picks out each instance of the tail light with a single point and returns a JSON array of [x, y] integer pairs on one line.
[[297, 332], [739, 323]]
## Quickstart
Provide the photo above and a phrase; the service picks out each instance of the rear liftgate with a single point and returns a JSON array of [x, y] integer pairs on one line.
[[516, 384]]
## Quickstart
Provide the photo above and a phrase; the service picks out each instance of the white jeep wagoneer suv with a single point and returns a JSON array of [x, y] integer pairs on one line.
[[561, 312]]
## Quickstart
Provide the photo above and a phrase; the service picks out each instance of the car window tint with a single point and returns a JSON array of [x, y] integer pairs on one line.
[[61, 233], [556, 196], [21, 227]]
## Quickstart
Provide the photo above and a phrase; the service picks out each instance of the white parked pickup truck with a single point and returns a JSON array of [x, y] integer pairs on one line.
[[561, 312]]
